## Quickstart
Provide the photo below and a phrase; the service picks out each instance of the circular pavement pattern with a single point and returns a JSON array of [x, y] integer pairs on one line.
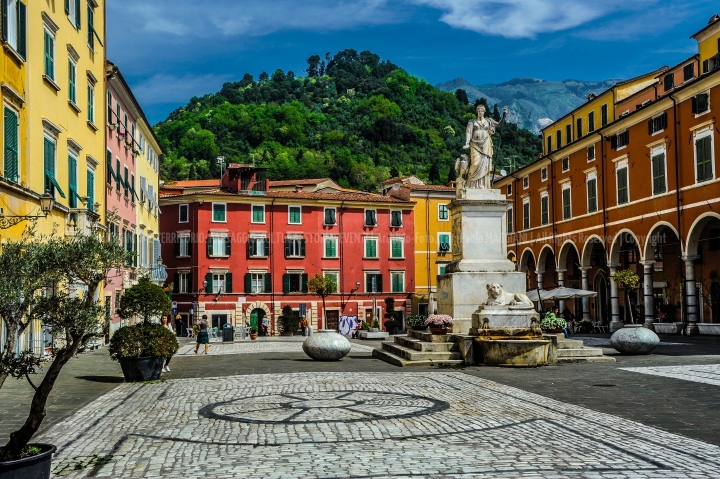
[[318, 407]]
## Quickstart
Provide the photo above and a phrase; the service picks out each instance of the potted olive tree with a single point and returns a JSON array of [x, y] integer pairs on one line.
[[76, 267], [288, 321]]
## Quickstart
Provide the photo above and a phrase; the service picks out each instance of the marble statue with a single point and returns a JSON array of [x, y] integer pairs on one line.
[[478, 139], [497, 296]]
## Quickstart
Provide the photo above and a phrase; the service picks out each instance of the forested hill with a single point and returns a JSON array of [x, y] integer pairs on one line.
[[353, 118]]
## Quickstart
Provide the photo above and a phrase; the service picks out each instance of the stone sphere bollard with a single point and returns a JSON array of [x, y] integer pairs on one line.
[[326, 345], [634, 339]]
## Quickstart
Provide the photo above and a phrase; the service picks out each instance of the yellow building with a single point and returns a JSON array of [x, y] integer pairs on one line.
[[709, 45], [433, 230], [148, 170]]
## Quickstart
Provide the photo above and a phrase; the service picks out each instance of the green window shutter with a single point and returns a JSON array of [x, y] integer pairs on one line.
[[251, 247], [49, 56], [91, 104], [622, 185], [268, 283], [91, 190], [396, 249], [566, 203], [11, 170], [328, 248], [72, 181], [248, 283], [118, 178], [379, 283], [258, 216], [228, 283], [209, 246], [286, 283], [91, 28], [48, 163], [77, 13], [658, 162], [71, 82], [304, 287], [22, 30], [67, 6], [333, 246], [176, 283], [266, 246], [176, 246], [288, 247], [592, 195], [209, 279], [228, 245], [302, 247]]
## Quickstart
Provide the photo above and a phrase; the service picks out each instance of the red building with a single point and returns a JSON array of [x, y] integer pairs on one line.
[[237, 251]]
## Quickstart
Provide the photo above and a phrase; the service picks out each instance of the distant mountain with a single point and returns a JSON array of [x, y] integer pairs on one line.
[[532, 103]]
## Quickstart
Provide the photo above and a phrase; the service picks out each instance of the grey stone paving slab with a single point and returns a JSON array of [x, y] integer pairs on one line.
[[262, 345], [699, 373], [321, 424]]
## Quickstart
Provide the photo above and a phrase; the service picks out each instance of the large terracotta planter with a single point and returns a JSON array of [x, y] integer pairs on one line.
[[253, 336], [33, 467], [435, 330], [142, 369], [553, 330]]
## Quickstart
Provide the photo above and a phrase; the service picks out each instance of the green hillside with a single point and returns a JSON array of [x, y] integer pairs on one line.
[[356, 119]]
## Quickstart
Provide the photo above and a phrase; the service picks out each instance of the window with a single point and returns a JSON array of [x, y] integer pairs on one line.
[[72, 80], [526, 182], [183, 246], [90, 190], [549, 143], [258, 247], [567, 210], [689, 72], [258, 213], [397, 280], [373, 283], [219, 211], [72, 182], [51, 184], [396, 219], [444, 242], [579, 129], [622, 183], [91, 103], [591, 122], [335, 276], [592, 193], [371, 247], [330, 216], [509, 189], [620, 140], [543, 173], [257, 283], [604, 114], [657, 124], [72, 8], [218, 283], [510, 228], [658, 171], [295, 283], [294, 247], [91, 27], [443, 214], [544, 209], [331, 247], [294, 215], [370, 218], [591, 153], [183, 283], [568, 133], [15, 26], [184, 215], [49, 55], [669, 82], [566, 163], [526, 213], [700, 103], [558, 138], [11, 170], [704, 157], [218, 245], [397, 248]]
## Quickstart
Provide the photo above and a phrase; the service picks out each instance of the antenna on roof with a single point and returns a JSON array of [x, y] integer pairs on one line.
[[221, 162]]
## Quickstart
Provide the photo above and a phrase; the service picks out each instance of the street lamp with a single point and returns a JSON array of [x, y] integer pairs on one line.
[[46, 205]]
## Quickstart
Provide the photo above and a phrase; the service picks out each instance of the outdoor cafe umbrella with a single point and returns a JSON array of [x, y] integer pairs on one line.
[[560, 293]]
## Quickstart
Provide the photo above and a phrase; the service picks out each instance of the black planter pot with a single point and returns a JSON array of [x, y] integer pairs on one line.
[[34, 467], [142, 369]]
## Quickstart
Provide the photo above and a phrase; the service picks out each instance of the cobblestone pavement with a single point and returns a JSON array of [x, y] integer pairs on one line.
[[705, 373], [261, 345], [401, 424]]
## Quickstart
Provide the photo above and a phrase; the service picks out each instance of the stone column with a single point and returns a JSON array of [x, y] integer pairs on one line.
[[648, 267], [615, 322], [586, 286], [561, 283], [541, 305], [691, 295]]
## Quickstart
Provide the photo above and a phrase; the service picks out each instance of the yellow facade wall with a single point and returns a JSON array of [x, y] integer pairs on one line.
[[708, 43], [148, 166]]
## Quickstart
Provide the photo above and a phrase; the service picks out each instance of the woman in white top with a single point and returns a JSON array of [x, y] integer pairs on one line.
[[167, 324]]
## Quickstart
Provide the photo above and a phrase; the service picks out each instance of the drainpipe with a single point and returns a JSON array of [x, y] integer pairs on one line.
[[342, 270], [552, 189], [272, 257], [678, 212], [608, 305]]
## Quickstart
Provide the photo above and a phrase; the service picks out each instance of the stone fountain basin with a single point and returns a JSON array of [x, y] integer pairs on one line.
[[514, 352]]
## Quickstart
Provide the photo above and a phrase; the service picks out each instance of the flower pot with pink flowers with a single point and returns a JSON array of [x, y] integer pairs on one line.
[[439, 323]]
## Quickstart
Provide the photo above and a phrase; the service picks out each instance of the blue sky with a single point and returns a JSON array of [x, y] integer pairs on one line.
[[170, 50]]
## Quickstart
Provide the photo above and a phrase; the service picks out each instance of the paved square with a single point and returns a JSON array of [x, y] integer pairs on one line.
[[264, 345], [706, 373], [430, 424]]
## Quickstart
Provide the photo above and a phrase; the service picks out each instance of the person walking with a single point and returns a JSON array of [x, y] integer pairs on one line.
[[203, 337], [180, 325], [167, 325], [303, 325]]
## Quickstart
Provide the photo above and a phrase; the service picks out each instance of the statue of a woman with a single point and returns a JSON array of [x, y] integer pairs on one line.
[[478, 138]]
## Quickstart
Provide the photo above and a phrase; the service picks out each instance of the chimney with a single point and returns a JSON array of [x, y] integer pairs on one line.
[[298, 188]]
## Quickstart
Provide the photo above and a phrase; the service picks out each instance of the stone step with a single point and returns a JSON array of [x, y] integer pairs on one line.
[[569, 344], [427, 336], [415, 355], [391, 358], [586, 359], [418, 345], [579, 353]]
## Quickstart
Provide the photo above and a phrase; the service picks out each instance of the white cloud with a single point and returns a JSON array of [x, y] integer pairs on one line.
[[162, 88], [525, 18]]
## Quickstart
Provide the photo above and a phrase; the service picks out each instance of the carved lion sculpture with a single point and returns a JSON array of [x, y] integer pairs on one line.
[[499, 297]]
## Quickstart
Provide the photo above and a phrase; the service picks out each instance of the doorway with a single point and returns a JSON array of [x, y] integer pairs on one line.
[[715, 301], [332, 318], [218, 320], [256, 317], [601, 299]]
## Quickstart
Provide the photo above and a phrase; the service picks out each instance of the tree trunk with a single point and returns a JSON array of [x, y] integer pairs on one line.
[[10, 342], [20, 438], [629, 307], [324, 316]]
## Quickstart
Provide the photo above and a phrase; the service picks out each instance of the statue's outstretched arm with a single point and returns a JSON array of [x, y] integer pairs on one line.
[[468, 134]]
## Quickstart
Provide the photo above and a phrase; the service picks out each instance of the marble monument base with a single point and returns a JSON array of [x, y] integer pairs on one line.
[[458, 294]]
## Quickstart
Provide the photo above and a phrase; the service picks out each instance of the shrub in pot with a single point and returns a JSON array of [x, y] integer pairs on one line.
[[288, 322], [439, 323], [142, 349], [417, 322], [253, 333], [552, 323]]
